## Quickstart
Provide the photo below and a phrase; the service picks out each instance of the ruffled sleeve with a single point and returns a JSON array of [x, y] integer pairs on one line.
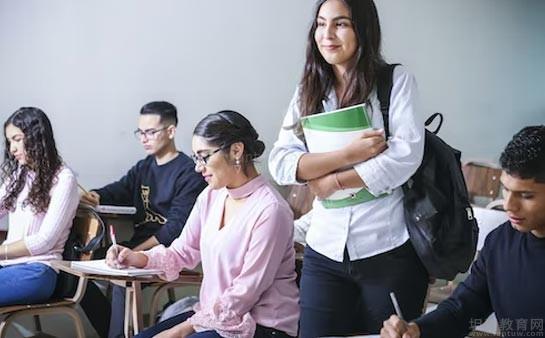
[[224, 321], [230, 314]]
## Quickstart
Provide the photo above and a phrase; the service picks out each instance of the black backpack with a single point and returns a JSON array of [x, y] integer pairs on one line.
[[439, 217]]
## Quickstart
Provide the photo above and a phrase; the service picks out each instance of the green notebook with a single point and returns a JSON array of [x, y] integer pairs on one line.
[[325, 132]]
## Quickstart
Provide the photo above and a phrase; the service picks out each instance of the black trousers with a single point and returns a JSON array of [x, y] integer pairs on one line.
[[353, 297]]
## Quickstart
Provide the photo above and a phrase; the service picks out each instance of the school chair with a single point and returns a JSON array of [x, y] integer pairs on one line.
[[86, 233], [482, 181], [300, 200], [168, 287]]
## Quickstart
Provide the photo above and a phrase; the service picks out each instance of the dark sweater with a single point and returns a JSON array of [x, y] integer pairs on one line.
[[162, 194], [508, 278]]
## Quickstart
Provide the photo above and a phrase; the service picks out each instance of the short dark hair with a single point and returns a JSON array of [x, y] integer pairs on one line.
[[226, 127], [166, 111], [524, 155]]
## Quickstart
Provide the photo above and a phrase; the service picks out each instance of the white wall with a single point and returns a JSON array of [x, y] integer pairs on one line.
[[479, 62], [92, 64]]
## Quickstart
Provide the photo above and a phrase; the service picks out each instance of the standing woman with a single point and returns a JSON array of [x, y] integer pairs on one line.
[[356, 255], [41, 196], [242, 231]]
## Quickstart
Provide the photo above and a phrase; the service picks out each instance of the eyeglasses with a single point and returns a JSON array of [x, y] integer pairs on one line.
[[150, 134], [203, 160]]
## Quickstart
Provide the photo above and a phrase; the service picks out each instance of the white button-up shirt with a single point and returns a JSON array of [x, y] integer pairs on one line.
[[376, 226]]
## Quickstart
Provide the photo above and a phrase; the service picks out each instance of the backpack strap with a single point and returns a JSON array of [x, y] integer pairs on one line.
[[385, 83], [431, 119], [384, 91]]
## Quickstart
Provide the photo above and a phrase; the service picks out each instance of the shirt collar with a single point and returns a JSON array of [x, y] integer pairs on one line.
[[247, 188]]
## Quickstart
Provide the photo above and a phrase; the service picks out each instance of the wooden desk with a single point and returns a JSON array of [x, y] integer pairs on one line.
[[133, 287]]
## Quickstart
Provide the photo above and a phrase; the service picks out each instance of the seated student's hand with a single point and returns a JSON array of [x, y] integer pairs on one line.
[[368, 145], [182, 330], [119, 257], [395, 327], [323, 186], [91, 198]]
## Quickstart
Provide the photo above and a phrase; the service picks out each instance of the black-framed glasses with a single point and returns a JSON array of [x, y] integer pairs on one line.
[[148, 133], [203, 160]]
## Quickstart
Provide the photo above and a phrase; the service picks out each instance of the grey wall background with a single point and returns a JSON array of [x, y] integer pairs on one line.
[[92, 64]]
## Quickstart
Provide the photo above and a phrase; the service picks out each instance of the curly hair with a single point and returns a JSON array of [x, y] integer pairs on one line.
[[524, 155], [43, 161]]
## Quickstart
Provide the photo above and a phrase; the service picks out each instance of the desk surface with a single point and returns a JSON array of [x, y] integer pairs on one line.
[[133, 290], [186, 276]]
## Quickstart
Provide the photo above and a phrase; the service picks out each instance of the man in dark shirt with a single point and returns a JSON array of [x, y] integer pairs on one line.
[[509, 274], [163, 187]]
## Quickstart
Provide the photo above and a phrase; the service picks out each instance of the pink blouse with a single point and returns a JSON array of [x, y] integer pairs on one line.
[[44, 233], [248, 265]]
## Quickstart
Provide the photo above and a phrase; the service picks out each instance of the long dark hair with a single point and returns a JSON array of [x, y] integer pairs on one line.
[[318, 77], [41, 156], [226, 127]]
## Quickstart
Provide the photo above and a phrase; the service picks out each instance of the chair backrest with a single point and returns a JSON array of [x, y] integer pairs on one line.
[[300, 200], [85, 236], [483, 181]]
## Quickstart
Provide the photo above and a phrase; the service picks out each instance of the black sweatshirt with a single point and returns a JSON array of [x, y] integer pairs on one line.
[[162, 194], [508, 278]]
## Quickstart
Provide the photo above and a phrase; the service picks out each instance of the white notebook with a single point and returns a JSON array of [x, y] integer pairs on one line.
[[100, 267]]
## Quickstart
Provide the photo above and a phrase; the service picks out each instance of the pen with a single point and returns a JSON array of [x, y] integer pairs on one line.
[[112, 237], [82, 188], [396, 305]]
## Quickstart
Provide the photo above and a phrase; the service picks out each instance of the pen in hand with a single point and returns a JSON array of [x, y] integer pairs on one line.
[[114, 242], [396, 305], [83, 189]]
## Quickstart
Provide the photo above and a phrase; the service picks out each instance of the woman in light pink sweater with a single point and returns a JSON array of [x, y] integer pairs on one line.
[[241, 230], [40, 195]]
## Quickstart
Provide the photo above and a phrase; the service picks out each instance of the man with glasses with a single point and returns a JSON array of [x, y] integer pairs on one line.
[[163, 187]]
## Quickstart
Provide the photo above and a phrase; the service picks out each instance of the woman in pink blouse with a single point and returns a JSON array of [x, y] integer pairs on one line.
[[41, 197], [241, 230]]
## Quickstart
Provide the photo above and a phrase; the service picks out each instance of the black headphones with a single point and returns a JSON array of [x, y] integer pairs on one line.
[[95, 242]]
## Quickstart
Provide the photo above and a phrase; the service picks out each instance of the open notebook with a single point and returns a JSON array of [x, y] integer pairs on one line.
[[100, 267]]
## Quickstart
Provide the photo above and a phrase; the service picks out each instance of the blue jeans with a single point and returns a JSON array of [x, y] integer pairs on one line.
[[26, 283], [352, 297]]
